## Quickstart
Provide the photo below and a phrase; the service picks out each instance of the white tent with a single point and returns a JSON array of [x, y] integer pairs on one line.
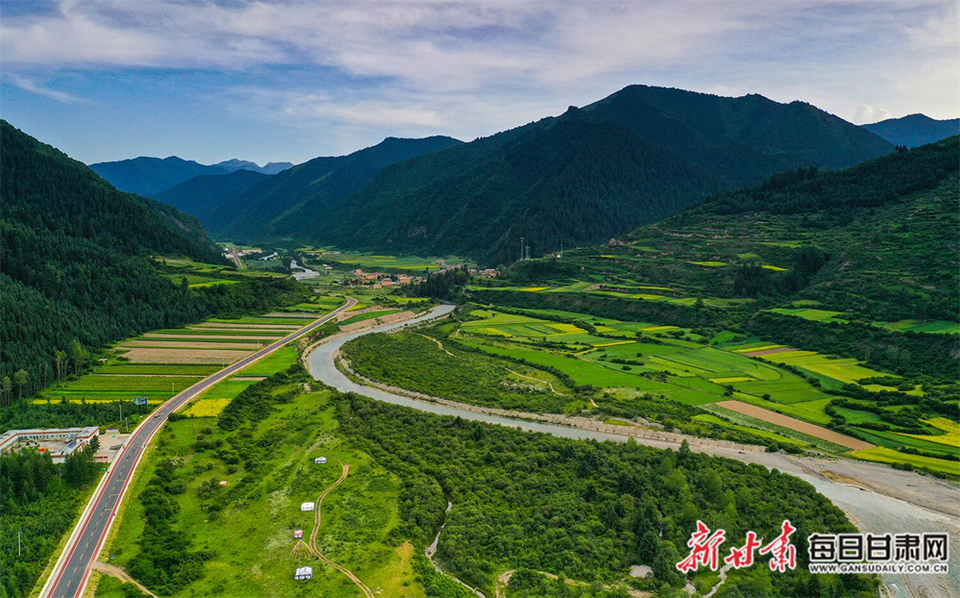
[[320, 460], [307, 506], [304, 573]]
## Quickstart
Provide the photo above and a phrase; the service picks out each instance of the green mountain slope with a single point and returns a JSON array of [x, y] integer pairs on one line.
[[860, 262], [743, 140], [914, 129], [287, 205], [564, 180], [202, 195], [589, 174], [76, 259]]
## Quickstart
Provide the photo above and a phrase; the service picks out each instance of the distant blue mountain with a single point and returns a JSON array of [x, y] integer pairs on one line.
[[151, 176], [915, 129]]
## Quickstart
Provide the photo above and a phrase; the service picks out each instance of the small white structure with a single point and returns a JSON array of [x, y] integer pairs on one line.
[[320, 460], [307, 506], [303, 573], [298, 534]]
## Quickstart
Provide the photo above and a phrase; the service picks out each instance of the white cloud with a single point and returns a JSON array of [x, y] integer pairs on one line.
[[869, 114], [471, 68]]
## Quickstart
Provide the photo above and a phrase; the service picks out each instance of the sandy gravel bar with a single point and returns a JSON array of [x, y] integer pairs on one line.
[[794, 424]]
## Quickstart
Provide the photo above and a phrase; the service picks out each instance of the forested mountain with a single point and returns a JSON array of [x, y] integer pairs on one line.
[[288, 204], [151, 176], [565, 180], [202, 195], [592, 173], [76, 272], [914, 129], [851, 262]]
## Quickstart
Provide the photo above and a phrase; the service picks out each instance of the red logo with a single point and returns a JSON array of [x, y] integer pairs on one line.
[[704, 549]]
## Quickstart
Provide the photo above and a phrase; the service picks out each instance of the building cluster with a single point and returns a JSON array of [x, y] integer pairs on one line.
[[59, 442], [379, 280]]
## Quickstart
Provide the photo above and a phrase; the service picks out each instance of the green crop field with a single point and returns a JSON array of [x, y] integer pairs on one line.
[[842, 369], [275, 362], [818, 315], [886, 455]]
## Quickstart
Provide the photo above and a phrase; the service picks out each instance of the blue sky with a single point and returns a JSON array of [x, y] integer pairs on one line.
[[294, 79]]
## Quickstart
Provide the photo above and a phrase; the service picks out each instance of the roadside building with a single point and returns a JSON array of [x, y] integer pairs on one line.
[[59, 442]]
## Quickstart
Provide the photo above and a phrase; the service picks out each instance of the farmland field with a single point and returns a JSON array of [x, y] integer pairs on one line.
[[795, 424], [886, 455]]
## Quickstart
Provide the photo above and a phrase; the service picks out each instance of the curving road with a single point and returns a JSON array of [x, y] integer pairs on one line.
[[878, 499], [69, 576]]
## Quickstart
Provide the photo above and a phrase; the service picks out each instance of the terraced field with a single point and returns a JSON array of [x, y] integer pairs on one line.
[[162, 363]]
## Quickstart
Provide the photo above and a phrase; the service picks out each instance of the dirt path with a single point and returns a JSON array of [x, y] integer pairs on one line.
[[503, 580], [431, 550], [312, 545], [552, 389], [114, 571], [439, 344]]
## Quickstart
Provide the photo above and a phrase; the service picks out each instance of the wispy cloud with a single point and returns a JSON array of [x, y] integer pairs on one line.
[[34, 87], [470, 68]]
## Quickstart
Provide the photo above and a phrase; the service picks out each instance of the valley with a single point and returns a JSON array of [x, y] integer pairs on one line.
[[526, 364]]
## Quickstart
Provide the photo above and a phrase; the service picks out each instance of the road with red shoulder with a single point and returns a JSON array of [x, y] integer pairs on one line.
[[70, 575]]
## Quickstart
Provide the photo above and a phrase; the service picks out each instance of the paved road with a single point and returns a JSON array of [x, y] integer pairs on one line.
[[70, 575], [236, 259]]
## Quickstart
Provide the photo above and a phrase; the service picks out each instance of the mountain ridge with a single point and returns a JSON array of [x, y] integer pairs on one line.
[[914, 130], [150, 176], [729, 142]]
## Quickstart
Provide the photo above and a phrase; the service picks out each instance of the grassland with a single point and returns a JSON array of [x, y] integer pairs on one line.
[[246, 526]]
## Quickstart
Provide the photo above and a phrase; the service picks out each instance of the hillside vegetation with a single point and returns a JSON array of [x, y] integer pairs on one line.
[[76, 271], [202, 195], [639, 155], [288, 204]]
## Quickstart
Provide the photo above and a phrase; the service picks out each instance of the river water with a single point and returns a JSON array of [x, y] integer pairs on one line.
[[302, 272], [909, 503]]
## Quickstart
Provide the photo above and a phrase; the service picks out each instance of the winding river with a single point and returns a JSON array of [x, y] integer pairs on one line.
[[876, 498]]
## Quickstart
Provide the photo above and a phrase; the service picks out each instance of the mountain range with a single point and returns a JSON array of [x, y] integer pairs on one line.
[[151, 176], [288, 204], [915, 129], [592, 173], [589, 174]]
